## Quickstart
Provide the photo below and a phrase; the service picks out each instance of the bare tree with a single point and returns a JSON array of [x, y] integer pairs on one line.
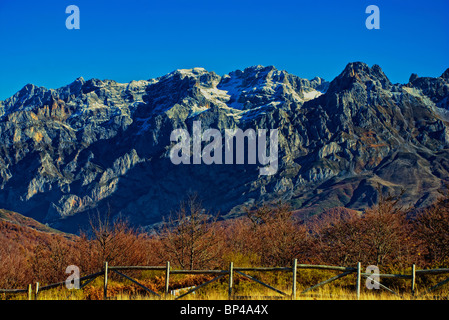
[[191, 237], [336, 233], [431, 227], [277, 237], [384, 233], [113, 241]]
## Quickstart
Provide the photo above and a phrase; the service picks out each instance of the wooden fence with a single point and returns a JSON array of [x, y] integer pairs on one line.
[[232, 270]]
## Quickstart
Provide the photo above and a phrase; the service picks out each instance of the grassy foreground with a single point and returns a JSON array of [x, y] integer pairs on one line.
[[118, 290]]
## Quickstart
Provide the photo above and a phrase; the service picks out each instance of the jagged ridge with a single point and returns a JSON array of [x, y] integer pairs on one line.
[[97, 144]]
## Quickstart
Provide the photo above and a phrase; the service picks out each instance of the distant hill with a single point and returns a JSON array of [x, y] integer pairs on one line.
[[15, 223]]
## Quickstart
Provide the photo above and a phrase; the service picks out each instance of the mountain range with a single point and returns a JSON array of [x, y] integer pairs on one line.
[[99, 145]]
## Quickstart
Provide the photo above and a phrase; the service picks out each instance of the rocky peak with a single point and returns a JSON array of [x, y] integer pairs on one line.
[[413, 77], [445, 74], [73, 88], [78, 83], [354, 91], [359, 73], [27, 89], [199, 75], [380, 76], [436, 89], [259, 86], [92, 85], [263, 76], [28, 97]]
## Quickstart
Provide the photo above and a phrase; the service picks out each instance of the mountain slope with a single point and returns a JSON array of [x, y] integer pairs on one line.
[[95, 144], [14, 218]]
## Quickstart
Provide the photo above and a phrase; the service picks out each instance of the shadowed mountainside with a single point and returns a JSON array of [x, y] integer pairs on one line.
[[101, 144]]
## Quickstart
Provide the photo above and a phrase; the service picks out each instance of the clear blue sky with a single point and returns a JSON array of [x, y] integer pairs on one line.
[[142, 39]]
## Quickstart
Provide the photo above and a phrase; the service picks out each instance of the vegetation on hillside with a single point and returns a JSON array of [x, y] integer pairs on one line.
[[384, 235]]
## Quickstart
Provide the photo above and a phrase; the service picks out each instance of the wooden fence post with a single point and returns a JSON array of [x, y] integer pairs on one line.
[[105, 288], [413, 279], [231, 271], [359, 278], [294, 269], [167, 278], [30, 292], [37, 291]]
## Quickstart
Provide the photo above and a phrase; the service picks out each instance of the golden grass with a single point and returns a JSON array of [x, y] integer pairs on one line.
[[342, 289], [116, 291]]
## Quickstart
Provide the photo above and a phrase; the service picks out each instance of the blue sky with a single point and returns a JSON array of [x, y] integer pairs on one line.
[[137, 39]]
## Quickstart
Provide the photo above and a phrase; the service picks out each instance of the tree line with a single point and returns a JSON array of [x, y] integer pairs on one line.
[[385, 235]]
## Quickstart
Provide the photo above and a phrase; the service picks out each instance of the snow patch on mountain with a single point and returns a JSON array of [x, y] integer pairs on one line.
[[312, 95]]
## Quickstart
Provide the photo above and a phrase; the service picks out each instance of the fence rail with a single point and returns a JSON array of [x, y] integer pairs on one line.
[[232, 270]]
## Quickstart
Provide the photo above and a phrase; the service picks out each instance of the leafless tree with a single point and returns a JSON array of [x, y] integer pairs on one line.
[[278, 238], [191, 237], [113, 241], [431, 226]]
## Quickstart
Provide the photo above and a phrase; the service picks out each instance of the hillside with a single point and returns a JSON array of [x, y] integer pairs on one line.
[[25, 223]]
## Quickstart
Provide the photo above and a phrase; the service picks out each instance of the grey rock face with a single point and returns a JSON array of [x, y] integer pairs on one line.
[[99, 144]]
